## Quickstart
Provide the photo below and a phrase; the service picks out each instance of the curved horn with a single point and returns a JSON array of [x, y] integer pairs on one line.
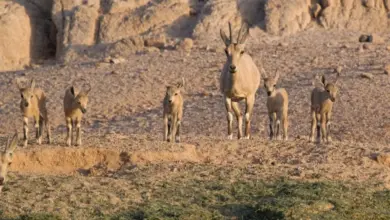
[[277, 74], [18, 83], [242, 34], [6, 146], [230, 32]]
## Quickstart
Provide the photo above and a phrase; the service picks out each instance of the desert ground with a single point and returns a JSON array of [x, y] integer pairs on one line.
[[124, 170]]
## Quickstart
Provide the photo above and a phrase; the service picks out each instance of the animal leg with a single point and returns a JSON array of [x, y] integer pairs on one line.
[[313, 125], [271, 125], [285, 125], [69, 131], [179, 117], [279, 118], [237, 112], [323, 127], [48, 130], [78, 132], [174, 127], [25, 131], [229, 110], [250, 101], [328, 117], [178, 131], [166, 127], [40, 129]]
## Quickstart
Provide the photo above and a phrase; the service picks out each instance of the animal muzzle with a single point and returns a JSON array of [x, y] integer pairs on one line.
[[233, 68], [83, 110], [170, 100], [269, 93], [2, 180], [333, 99], [26, 104]]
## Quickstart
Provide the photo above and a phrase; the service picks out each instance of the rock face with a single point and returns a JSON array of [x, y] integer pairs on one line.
[[33, 30], [368, 15], [145, 19], [25, 28], [76, 24], [282, 18]]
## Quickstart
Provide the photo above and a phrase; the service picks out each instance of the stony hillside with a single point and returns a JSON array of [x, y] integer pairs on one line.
[[66, 30]]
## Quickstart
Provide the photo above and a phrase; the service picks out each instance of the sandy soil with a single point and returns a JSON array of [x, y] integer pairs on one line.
[[123, 126]]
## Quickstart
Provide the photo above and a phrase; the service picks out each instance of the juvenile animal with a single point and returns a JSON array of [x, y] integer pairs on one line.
[[6, 159], [322, 99], [173, 111], [239, 80], [75, 106], [277, 105], [33, 105]]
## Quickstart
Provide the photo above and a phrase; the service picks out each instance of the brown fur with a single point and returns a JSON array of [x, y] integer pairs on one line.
[[6, 159], [277, 105], [75, 105], [33, 105], [173, 112], [239, 80], [322, 99]]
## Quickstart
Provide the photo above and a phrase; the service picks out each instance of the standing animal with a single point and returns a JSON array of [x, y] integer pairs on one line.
[[322, 99], [75, 105], [173, 111], [239, 80], [6, 159], [277, 105], [33, 104]]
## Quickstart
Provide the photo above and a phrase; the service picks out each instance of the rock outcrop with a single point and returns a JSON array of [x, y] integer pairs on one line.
[[33, 30]]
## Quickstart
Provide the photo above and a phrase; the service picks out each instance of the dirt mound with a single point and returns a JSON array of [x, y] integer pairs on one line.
[[90, 161]]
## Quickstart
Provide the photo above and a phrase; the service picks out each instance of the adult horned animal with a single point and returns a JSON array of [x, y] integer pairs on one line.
[[239, 80]]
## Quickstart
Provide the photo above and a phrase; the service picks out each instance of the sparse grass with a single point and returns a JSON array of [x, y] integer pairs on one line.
[[281, 199], [219, 195]]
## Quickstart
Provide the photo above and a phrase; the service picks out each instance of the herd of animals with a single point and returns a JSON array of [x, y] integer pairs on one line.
[[240, 80]]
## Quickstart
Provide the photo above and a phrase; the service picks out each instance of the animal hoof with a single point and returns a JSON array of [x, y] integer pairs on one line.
[[230, 137], [329, 140], [25, 143], [246, 137], [39, 141], [285, 138]]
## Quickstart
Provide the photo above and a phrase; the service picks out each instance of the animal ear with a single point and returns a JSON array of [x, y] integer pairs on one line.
[[32, 84], [243, 34], [72, 90], [14, 143]]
